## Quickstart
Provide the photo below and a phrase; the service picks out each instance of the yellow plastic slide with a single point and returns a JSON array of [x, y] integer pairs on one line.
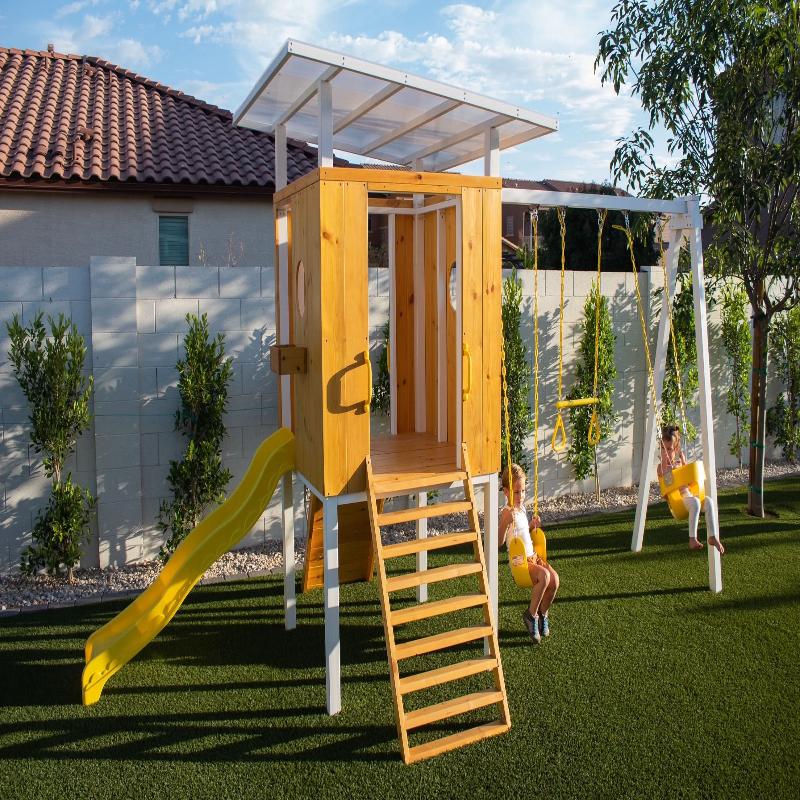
[[109, 648]]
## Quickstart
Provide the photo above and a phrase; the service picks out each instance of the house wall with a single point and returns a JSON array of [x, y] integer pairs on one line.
[[67, 228]]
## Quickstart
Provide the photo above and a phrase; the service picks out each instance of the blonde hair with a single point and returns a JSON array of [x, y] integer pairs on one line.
[[517, 473]]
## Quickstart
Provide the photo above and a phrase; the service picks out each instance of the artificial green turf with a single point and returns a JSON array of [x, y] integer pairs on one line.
[[650, 686]]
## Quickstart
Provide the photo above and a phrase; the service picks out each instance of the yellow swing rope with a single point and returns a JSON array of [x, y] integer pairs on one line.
[[668, 306], [534, 246], [594, 422], [559, 440]]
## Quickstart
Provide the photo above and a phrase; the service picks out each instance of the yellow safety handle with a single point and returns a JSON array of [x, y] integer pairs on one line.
[[559, 441], [581, 401], [594, 429], [369, 373], [468, 388]]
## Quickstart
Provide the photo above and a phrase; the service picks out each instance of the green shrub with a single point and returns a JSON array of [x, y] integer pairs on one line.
[[581, 454], [381, 390], [198, 480], [518, 371], [49, 368], [783, 419]]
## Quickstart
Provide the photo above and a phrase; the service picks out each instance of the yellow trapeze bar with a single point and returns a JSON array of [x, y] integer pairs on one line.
[[583, 401]]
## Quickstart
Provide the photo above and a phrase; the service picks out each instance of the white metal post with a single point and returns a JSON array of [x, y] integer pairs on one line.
[[422, 556], [392, 329], [491, 157], [282, 301], [333, 677], [704, 375], [281, 158], [659, 366], [325, 142], [289, 600]]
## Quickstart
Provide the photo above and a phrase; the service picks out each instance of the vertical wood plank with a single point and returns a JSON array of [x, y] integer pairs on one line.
[[487, 458], [431, 326], [450, 258], [404, 316], [472, 324]]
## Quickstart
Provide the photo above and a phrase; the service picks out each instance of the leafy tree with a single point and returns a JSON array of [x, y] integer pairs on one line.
[[581, 454], [737, 340], [783, 419], [198, 480], [49, 369], [518, 372], [723, 80]]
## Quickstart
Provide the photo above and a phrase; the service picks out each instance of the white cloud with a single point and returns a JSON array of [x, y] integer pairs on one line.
[[74, 8], [135, 54]]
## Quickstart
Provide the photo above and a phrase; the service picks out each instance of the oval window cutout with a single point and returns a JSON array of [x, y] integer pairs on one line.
[[452, 286], [300, 288]]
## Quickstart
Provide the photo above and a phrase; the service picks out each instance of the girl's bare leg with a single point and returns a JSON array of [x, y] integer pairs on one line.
[[549, 593], [540, 577]]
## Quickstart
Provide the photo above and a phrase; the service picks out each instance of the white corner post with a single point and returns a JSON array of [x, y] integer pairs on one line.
[[422, 556], [282, 278], [289, 599], [333, 676], [325, 141], [281, 163], [490, 532], [491, 156], [704, 375], [659, 366]]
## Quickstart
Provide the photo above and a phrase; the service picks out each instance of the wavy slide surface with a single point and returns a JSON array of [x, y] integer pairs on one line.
[[109, 648]]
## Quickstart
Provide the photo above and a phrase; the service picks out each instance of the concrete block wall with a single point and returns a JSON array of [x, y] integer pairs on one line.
[[133, 320]]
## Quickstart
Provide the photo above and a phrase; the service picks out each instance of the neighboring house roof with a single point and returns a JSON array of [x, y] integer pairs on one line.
[[83, 120]]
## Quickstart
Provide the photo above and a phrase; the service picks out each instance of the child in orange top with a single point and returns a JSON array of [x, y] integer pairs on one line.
[[673, 457], [543, 577]]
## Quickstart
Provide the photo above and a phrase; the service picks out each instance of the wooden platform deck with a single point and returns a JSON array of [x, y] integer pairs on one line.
[[410, 459]]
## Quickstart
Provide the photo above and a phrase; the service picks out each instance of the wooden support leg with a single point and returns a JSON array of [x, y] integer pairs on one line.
[[289, 599], [490, 533], [422, 556], [333, 677]]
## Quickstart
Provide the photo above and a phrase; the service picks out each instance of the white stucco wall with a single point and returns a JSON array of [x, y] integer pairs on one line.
[[50, 228]]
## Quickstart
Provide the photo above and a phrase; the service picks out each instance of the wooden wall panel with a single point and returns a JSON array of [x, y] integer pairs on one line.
[[345, 335], [492, 330], [431, 326], [404, 322], [450, 258], [472, 324], [307, 329]]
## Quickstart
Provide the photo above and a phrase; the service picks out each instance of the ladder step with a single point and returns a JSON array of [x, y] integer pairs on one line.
[[435, 608], [447, 572], [460, 739], [452, 708], [428, 543], [439, 641], [453, 672], [423, 512], [399, 484]]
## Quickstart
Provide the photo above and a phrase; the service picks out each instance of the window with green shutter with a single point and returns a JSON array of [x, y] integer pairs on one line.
[[173, 241]]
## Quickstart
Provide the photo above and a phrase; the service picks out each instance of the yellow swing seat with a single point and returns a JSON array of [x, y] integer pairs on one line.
[[690, 476], [517, 559]]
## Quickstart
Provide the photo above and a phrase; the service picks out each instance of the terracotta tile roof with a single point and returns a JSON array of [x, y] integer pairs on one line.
[[80, 118]]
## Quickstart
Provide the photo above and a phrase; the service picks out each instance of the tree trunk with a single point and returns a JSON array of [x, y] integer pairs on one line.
[[596, 478], [739, 438], [758, 415]]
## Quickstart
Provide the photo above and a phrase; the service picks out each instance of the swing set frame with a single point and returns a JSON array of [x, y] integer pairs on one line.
[[684, 224]]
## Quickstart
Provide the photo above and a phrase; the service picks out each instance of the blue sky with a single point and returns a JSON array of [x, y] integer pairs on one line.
[[538, 53]]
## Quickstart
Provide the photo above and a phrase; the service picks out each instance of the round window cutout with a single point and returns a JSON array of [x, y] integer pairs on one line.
[[300, 288], [452, 286]]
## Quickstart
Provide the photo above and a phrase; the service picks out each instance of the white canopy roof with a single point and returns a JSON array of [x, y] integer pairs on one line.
[[382, 113]]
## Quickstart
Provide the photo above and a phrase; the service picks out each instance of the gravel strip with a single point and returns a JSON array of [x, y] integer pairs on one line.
[[20, 594]]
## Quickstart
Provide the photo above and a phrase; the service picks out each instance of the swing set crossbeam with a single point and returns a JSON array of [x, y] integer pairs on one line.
[[545, 199]]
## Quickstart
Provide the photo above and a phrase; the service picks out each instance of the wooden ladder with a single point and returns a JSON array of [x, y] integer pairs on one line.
[[383, 486]]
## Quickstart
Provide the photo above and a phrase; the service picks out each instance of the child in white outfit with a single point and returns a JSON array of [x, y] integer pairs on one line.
[[543, 577], [673, 457]]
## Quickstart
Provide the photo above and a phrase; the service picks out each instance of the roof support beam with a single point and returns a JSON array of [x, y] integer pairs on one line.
[[418, 121], [303, 99], [373, 102], [491, 156], [457, 138], [281, 158], [536, 197], [325, 146]]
